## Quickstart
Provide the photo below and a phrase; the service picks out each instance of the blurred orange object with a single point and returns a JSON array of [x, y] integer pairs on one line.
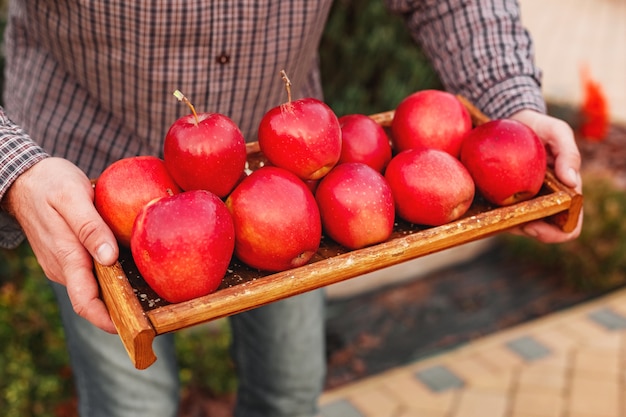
[[594, 110]]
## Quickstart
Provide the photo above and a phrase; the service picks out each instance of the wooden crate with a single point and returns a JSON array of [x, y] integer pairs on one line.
[[140, 315]]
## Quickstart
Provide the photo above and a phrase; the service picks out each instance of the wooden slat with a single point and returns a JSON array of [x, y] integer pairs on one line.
[[285, 284], [478, 117], [566, 220], [127, 314]]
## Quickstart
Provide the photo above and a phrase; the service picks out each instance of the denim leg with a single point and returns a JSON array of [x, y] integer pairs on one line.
[[107, 382], [278, 350]]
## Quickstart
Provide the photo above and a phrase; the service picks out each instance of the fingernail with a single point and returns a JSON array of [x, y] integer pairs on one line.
[[105, 254], [573, 176]]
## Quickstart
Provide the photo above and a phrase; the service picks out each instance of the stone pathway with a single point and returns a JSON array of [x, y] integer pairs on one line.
[[567, 364]]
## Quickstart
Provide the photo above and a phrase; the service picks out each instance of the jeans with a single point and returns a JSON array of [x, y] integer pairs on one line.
[[278, 352]]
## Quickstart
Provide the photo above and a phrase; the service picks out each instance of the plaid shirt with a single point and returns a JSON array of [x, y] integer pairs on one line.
[[92, 81]]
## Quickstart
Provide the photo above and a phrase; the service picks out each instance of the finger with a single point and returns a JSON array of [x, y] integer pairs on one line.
[[546, 232], [68, 263], [84, 294], [567, 157], [92, 232]]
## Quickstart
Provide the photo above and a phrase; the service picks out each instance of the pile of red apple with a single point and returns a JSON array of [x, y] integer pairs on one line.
[[185, 216]]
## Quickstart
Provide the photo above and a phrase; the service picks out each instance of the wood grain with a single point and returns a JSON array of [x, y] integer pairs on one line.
[[127, 314], [277, 286]]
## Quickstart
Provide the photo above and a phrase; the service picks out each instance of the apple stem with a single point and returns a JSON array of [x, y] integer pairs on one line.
[[287, 82], [181, 97]]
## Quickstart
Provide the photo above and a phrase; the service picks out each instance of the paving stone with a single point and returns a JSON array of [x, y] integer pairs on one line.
[[556, 339], [595, 397], [340, 408], [545, 378], [413, 394], [501, 358], [599, 363], [528, 348], [608, 318], [539, 404], [375, 401], [475, 373], [439, 378], [477, 403]]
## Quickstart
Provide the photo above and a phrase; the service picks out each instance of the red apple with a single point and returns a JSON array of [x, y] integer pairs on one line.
[[430, 186], [364, 140], [277, 221], [127, 185], [205, 151], [506, 159], [302, 136], [356, 205], [182, 244], [432, 119]]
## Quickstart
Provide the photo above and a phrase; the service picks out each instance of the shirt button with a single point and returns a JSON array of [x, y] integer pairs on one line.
[[223, 58]]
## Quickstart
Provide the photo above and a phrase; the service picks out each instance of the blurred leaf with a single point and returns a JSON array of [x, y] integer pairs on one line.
[[33, 359], [204, 358], [369, 61], [594, 261]]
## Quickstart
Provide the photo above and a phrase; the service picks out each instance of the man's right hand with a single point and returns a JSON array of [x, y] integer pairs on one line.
[[53, 203]]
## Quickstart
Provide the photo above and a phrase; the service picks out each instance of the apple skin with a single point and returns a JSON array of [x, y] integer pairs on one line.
[[356, 205], [430, 186], [302, 136], [312, 185], [432, 119], [364, 140], [182, 244], [277, 221], [127, 185], [208, 156], [506, 159]]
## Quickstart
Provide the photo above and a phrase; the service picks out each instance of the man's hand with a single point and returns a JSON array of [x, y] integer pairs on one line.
[[564, 155], [53, 202]]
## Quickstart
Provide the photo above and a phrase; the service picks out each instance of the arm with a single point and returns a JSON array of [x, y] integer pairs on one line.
[[17, 154], [52, 200], [481, 50]]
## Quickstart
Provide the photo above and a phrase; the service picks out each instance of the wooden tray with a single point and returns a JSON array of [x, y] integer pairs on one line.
[[139, 315]]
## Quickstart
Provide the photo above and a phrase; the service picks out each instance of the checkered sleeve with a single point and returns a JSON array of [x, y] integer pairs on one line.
[[479, 49], [17, 153]]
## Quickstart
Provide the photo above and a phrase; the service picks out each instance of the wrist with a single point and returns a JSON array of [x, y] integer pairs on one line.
[[7, 204], [10, 199]]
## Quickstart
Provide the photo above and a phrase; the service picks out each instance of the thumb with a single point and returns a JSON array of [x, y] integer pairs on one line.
[[91, 230]]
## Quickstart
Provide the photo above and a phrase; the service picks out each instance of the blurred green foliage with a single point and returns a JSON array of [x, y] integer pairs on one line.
[[595, 261], [204, 358], [33, 362], [369, 62]]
